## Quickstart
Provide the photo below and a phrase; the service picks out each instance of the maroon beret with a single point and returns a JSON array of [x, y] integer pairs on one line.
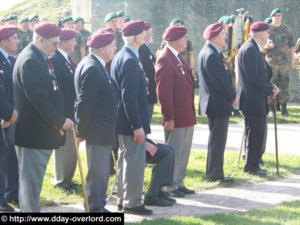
[[174, 32], [7, 31], [100, 39], [133, 28], [67, 34], [259, 26], [147, 26], [47, 29], [212, 30], [108, 29]]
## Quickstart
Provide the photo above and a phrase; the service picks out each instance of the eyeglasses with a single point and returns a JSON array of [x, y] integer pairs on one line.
[[54, 43]]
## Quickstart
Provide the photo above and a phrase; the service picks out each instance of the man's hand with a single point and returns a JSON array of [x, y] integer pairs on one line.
[[5, 124], [14, 117], [79, 140], [275, 90], [151, 148], [68, 124], [139, 135], [235, 100], [169, 125], [292, 66]]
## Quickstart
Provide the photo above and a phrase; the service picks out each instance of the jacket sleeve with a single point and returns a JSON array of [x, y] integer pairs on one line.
[[36, 87], [165, 88], [6, 109]]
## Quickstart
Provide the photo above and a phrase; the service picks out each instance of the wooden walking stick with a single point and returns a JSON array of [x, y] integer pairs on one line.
[[86, 204], [275, 128], [116, 177], [242, 145]]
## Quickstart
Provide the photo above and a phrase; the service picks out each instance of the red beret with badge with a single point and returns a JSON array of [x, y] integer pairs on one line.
[[100, 39], [212, 31], [7, 31], [174, 32], [259, 26], [67, 34], [47, 29], [133, 28]]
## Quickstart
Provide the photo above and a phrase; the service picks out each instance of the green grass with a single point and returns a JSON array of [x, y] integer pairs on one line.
[[195, 175], [284, 214], [44, 8], [294, 117]]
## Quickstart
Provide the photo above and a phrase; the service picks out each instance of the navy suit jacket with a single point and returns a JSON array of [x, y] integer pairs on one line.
[[65, 75], [253, 80], [39, 103], [95, 105], [148, 62], [215, 85], [6, 93], [132, 96]]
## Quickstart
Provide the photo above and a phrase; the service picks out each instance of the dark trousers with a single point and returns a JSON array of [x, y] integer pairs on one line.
[[9, 176], [162, 172], [255, 132], [218, 128]]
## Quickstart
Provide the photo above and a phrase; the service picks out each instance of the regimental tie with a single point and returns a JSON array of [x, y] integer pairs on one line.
[[11, 61], [52, 73], [107, 74], [72, 63]]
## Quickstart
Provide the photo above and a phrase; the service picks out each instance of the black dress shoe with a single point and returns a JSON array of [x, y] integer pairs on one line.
[[74, 184], [157, 201], [224, 180], [257, 172], [165, 196], [104, 210], [120, 208], [176, 194], [187, 191], [4, 207], [69, 190], [140, 210]]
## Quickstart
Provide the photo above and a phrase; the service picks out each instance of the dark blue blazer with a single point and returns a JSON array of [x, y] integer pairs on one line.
[[6, 94], [65, 75], [95, 104], [148, 62], [253, 81], [132, 96], [215, 85]]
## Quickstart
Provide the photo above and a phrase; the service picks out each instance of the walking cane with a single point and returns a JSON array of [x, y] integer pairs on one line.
[[276, 140], [87, 209], [116, 177], [242, 144]]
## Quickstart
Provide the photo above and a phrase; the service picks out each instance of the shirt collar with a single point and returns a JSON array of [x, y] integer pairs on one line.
[[257, 44], [133, 50], [173, 50], [5, 54], [218, 50], [45, 57], [64, 54], [100, 60]]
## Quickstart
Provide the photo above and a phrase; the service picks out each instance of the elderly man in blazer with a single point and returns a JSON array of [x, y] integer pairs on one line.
[[39, 101], [95, 113], [9, 179], [64, 68], [254, 90], [132, 120], [175, 92], [216, 98]]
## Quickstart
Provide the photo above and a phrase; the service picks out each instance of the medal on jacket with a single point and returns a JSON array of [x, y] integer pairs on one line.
[[181, 68], [69, 67], [52, 73], [107, 74]]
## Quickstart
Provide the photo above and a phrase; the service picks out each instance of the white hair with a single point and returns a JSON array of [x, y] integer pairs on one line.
[[128, 39], [35, 36]]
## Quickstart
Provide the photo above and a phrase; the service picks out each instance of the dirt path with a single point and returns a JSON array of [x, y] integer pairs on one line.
[[220, 200]]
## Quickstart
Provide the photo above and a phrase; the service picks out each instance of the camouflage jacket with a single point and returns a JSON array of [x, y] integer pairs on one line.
[[85, 34], [119, 39], [22, 37], [76, 55], [283, 40]]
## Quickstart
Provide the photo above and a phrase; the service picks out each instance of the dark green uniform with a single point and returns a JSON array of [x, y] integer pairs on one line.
[[119, 39], [76, 55], [279, 59], [85, 34], [21, 35]]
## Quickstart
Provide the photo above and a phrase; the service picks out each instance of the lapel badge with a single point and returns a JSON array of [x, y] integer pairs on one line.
[[180, 68]]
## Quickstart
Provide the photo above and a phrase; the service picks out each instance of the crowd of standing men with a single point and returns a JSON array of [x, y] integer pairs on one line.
[[105, 85]]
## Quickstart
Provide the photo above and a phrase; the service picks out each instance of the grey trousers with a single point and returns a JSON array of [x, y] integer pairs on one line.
[[218, 128], [65, 162], [98, 160], [131, 166], [32, 168], [181, 139]]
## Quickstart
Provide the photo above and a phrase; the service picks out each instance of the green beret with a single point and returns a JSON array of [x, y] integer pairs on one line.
[[12, 17], [221, 20], [25, 19], [110, 16], [68, 18], [35, 16], [268, 20], [173, 22], [127, 19], [120, 14], [274, 12], [77, 19], [232, 20]]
